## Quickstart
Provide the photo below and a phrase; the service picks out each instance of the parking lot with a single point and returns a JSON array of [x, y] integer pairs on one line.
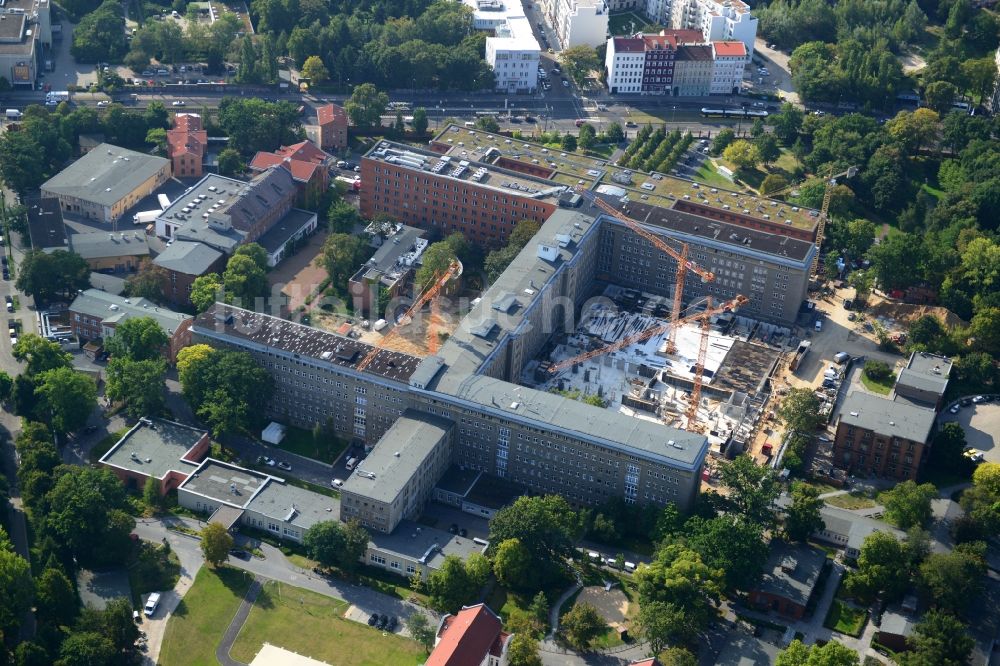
[[982, 427]]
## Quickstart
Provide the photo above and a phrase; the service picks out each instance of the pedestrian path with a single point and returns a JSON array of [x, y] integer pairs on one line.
[[222, 652]]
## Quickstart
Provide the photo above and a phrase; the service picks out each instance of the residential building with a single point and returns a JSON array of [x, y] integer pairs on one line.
[[94, 314], [624, 63], [924, 380], [46, 229], [896, 629], [106, 182], [332, 122], [157, 449], [225, 213], [117, 252], [789, 579], [186, 144], [512, 51], [718, 20], [881, 437], [848, 530], [395, 480], [25, 39], [390, 269], [474, 636], [728, 62], [309, 166], [577, 22], [182, 262], [693, 71]]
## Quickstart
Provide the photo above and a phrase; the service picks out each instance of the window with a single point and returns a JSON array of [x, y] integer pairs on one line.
[[378, 559]]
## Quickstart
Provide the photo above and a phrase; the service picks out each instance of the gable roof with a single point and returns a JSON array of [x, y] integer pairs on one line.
[[101, 245], [466, 638], [887, 417], [105, 175], [302, 160], [330, 113], [188, 257]]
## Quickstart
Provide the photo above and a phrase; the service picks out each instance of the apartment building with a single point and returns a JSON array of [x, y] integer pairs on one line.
[[511, 49], [693, 71], [332, 122], [106, 182], [717, 20], [186, 144], [674, 62], [881, 437], [577, 22], [624, 62], [25, 36], [728, 62]]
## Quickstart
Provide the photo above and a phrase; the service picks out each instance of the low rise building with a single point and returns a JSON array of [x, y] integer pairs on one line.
[[25, 35], [414, 548], [789, 579], [186, 144], [924, 380], [309, 166], [577, 22], [896, 629], [472, 637], [157, 449], [881, 437], [106, 182], [94, 314], [390, 269], [332, 123], [46, 228], [848, 530], [183, 262], [114, 251]]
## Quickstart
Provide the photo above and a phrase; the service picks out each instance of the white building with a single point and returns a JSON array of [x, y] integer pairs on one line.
[[728, 62], [718, 20], [577, 22], [512, 51], [624, 64]]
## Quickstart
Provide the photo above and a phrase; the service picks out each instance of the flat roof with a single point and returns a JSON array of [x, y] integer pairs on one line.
[[573, 169], [887, 417], [45, 224], [12, 28], [285, 228], [424, 544], [402, 449], [101, 245], [221, 321], [226, 483], [458, 480], [201, 197], [105, 175], [112, 308], [791, 571], [154, 447], [291, 505], [399, 252]]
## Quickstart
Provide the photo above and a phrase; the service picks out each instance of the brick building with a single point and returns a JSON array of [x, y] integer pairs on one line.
[[789, 579], [309, 166], [186, 143], [94, 314], [472, 637], [182, 262], [332, 122], [157, 449]]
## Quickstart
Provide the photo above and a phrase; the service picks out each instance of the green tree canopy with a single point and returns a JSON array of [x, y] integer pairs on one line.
[[909, 504], [366, 105], [88, 515], [40, 355], [48, 276], [65, 398], [687, 587], [137, 384], [228, 390], [137, 339], [215, 543], [581, 625], [940, 640], [752, 489], [803, 517]]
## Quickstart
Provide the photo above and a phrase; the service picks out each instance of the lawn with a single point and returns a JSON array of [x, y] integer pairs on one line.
[[882, 387], [845, 619], [707, 174], [313, 625], [852, 500], [103, 446], [197, 625], [302, 442], [626, 23]]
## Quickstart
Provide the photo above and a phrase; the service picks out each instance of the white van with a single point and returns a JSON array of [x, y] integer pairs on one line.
[[351, 462], [630, 567], [151, 604], [819, 324], [470, 124]]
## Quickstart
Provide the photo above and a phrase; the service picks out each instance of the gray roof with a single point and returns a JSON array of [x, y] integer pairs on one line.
[[458, 480], [188, 257], [45, 224], [930, 364], [101, 245], [897, 624], [109, 283], [154, 448], [270, 189], [791, 571], [291, 505], [922, 382], [225, 240], [292, 223], [886, 417], [853, 527], [217, 480], [112, 308], [421, 543], [105, 175], [387, 264], [404, 447]]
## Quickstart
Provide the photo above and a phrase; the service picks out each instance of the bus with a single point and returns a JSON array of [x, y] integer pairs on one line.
[[398, 106], [733, 113], [487, 114]]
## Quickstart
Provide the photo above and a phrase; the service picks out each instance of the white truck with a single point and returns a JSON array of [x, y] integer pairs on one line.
[[151, 603], [13, 114], [54, 97], [146, 216]]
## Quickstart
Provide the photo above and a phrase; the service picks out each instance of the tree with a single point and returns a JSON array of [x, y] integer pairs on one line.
[[940, 95], [547, 526], [420, 121], [614, 133], [734, 546], [88, 515], [803, 517], [487, 124], [722, 141], [677, 656], [315, 70], [859, 238], [335, 544], [138, 384], [513, 565], [940, 640], [16, 587], [830, 654], [216, 542], [799, 411], [47, 276], [539, 609], [581, 625], [569, 143], [657, 622], [773, 182], [137, 339], [230, 162], [86, 648], [31, 654], [437, 257], [752, 489], [742, 154], [450, 587], [66, 398], [497, 261], [787, 122], [980, 74], [227, 390], [157, 137], [767, 148], [342, 254], [523, 651], [579, 61], [678, 578], [343, 217], [897, 261], [366, 105], [984, 329], [588, 136], [877, 371], [206, 290], [883, 567], [255, 252], [421, 630], [40, 355], [244, 280], [151, 494], [146, 283], [253, 124], [953, 580], [909, 504], [248, 58]]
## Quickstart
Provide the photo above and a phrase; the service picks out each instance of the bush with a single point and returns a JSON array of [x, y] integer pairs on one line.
[[878, 371]]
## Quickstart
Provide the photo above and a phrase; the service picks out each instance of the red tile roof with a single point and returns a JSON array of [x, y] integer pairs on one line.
[[301, 159], [628, 45], [646, 662], [330, 113], [187, 136], [306, 151], [661, 42], [730, 48], [466, 638], [685, 36]]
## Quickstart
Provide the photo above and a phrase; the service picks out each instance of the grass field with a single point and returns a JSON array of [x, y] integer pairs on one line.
[[625, 23], [707, 174], [846, 620], [882, 387], [196, 626], [301, 442], [853, 500], [314, 625]]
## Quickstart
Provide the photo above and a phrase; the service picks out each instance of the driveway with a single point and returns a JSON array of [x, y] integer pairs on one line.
[[982, 427], [777, 64]]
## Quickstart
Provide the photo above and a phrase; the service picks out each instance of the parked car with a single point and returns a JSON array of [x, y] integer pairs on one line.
[[373, 619], [337, 483], [966, 402], [285, 466], [383, 621], [264, 460], [978, 399], [10, 304], [239, 554], [393, 623], [103, 103], [177, 102], [955, 409]]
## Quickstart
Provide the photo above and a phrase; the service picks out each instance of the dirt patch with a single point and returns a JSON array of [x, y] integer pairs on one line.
[[905, 313], [912, 63], [612, 605]]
